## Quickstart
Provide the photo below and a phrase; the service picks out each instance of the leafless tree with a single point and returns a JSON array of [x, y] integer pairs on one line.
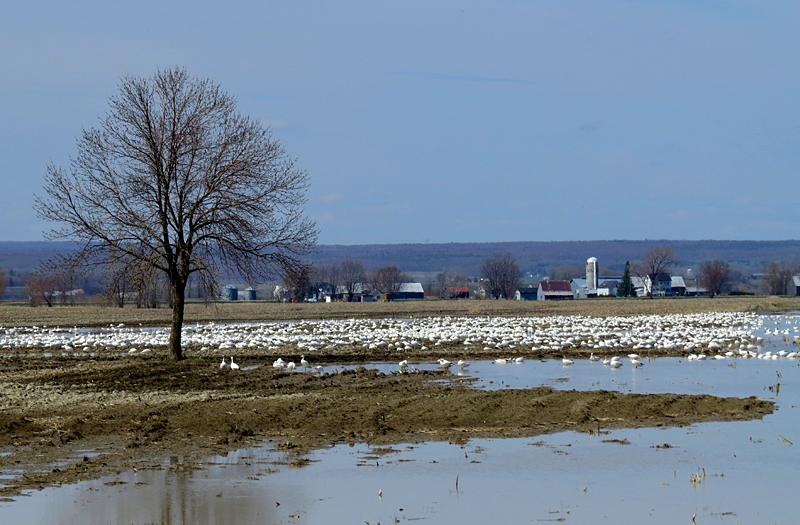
[[441, 281], [298, 281], [388, 280], [777, 276], [177, 178], [2, 284], [656, 261], [326, 275], [41, 289], [714, 276], [450, 282], [352, 274], [502, 274]]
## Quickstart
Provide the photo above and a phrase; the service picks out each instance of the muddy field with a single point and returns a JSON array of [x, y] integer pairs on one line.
[[57, 412], [71, 416]]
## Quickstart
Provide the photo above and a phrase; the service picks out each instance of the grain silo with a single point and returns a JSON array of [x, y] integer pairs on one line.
[[591, 273], [230, 293]]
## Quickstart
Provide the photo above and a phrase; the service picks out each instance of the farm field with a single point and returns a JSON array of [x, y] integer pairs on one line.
[[222, 312], [72, 415]]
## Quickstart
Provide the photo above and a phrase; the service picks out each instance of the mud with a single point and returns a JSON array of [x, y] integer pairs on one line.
[[63, 419]]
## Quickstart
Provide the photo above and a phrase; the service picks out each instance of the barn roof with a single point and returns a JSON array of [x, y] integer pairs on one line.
[[555, 286]]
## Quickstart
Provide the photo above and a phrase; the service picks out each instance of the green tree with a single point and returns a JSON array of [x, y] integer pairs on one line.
[[625, 286]]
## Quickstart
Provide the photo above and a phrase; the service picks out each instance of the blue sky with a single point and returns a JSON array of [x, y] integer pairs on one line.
[[450, 121]]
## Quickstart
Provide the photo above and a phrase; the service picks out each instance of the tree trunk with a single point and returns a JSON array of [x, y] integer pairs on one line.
[[175, 350]]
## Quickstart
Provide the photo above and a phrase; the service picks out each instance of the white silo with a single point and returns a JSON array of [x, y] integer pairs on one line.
[[591, 273]]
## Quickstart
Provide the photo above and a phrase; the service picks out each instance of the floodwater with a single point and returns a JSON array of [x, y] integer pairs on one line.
[[723, 473]]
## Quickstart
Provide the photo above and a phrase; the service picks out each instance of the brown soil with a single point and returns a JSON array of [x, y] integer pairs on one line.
[[52, 410]]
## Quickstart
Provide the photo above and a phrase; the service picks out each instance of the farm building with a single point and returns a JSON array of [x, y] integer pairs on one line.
[[410, 291], [794, 285], [458, 292], [230, 293], [678, 285], [528, 293], [555, 291]]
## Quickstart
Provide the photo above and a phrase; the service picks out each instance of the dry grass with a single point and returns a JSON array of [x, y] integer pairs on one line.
[[248, 312]]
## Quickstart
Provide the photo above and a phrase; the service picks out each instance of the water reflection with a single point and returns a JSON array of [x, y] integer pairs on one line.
[[743, 472]]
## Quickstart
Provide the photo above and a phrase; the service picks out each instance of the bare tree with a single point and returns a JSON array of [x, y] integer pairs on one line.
[[714, 276], [656, 261], [450, 282], [441, 281], [178, 179], [502, 274], [40, 289], [2, 284], [777, 276], [298, 282], [352, 274], [326, 275], [388, 280]]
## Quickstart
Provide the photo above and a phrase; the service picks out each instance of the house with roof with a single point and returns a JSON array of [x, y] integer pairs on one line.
[[555, 291], [793, 288], [678, 285]]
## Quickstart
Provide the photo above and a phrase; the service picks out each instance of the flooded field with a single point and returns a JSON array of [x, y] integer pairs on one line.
[[728, 472]]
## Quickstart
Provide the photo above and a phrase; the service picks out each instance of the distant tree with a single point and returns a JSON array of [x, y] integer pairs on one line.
[[777, 276], [450, 282], [456, 280], [41, 289], [2, 284], [625, 287], [656, 261], [501, 273], [441, 281], [388, 280], [714, 276], [175, 167], [352, 274], [323, 276], [298, 282]]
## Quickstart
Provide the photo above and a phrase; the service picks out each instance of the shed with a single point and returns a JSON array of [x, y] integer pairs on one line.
[[250, 294], [794, 285], [458, 292], [528, 293], [678, 285], [410, 291], [555, 291]]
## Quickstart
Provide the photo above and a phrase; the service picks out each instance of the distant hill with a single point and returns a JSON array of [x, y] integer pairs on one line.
[[539, 257], [534, 257]]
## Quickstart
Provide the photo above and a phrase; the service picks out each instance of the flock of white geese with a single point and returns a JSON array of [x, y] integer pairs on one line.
[[696, 336]]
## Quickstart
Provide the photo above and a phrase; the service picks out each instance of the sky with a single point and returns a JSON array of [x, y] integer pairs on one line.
[[449, 121]]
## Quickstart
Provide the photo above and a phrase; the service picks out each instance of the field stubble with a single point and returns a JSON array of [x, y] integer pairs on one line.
[[241, 311]]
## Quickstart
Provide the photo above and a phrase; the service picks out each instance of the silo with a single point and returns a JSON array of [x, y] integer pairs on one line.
[[250, 294], [591, 273], [230, 293]]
